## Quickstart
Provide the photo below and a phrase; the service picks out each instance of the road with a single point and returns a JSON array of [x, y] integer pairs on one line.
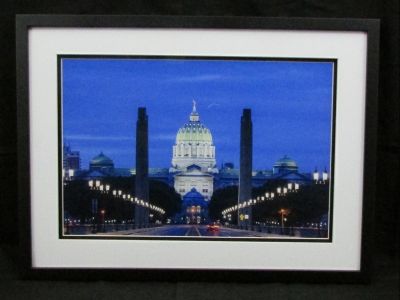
[[193, 231]]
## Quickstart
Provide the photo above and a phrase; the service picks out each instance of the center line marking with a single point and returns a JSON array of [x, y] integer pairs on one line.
[[198, 232]]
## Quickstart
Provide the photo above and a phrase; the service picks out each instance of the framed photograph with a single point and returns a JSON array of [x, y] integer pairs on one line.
[[211, 148]]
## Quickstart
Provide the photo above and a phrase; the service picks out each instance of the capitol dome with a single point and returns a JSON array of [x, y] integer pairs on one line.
[[194, 144], [194, 132], [193, 158], [285, 164]]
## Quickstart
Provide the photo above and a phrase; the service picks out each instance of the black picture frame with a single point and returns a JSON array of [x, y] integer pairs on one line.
[[26, 22]]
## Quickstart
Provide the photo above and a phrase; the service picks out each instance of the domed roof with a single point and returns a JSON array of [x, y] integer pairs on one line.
[[194, 198], [285, 161], [101, 159], [194, 131]]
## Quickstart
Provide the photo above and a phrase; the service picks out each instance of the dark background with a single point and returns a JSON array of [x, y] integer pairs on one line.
[[385, 277]]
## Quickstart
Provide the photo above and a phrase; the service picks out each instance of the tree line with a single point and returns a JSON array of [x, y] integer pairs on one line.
[[308, 205], [78, 199]]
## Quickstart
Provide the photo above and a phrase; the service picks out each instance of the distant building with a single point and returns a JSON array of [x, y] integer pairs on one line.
[[284, 165], [285, 169], [102, 166], [101, 163], [71, 159]]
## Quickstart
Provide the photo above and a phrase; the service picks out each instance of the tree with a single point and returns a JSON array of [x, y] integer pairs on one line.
[[222, 199], [164, 196], [78, 198], [307, 205]]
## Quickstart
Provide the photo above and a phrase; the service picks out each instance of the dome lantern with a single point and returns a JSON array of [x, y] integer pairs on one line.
[[194, 116]]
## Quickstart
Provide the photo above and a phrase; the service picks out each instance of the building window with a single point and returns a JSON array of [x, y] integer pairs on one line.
[[205, 190], [181, 190]]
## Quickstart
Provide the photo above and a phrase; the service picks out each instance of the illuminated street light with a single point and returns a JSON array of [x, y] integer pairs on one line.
[[283, 212], [316, 175], [325, 176], [103, 212]]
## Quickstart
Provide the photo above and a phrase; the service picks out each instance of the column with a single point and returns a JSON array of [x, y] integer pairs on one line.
[[142, 168], [246, 166]]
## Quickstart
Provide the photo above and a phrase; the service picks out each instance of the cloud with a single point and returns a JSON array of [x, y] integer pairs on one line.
[[197, 78], [213, 105], [162, 137], [88, 137]]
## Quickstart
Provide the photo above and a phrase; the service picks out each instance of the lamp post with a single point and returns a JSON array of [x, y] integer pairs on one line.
[[103, 212], [67, 229], [324, 176], [95, 185], [279, 190], [283, 212], [316, 175]]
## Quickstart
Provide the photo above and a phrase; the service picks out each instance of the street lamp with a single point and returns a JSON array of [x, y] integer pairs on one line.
[[103, 212], [92, 186], [316, 175], [283, 212], [325, 176]]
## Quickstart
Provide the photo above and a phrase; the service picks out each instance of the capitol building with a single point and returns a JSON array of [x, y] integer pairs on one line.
[[193, 165], [193, 171]]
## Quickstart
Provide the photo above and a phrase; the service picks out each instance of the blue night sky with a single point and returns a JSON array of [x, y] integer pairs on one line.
[[290, 103]]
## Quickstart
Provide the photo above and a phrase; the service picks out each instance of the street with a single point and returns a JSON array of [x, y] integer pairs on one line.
[[192, 231]]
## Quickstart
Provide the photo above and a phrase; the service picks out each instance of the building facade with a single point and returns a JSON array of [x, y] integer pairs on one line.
[[71, 159], [193, 158]]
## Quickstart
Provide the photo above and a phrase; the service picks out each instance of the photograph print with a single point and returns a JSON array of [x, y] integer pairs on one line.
[[196, 148]]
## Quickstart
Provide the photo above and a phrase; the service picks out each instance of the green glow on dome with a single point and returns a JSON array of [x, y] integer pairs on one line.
[[101, 159], [285, 161], [194, 131]]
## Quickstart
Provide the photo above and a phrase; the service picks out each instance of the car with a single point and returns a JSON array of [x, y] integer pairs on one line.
[[213, 227]]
